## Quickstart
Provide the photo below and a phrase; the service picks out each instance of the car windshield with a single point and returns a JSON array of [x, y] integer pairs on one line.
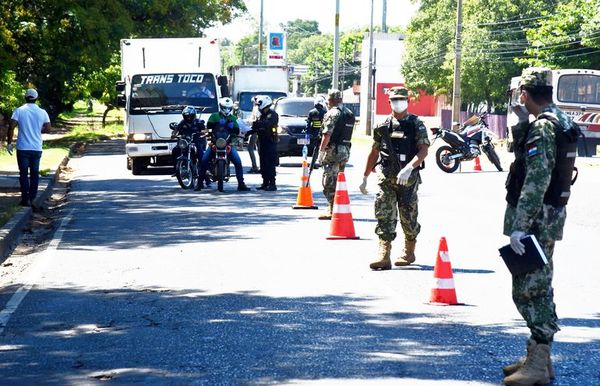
[[294, 108], [154, 91], [246, 98]]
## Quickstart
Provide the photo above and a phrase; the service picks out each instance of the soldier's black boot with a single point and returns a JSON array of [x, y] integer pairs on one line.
[[263, 186], [242, 187]]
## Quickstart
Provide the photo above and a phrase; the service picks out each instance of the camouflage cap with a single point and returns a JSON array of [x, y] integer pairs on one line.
[[334, 94], [536, 76], [398, 92]]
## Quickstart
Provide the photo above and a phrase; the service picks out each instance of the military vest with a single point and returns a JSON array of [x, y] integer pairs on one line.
[[342, 132], [559, 190], [403, 138]]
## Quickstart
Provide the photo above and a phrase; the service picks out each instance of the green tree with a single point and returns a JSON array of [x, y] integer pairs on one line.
[[566, 37], [65, 47], [298, 30], [500, 37]]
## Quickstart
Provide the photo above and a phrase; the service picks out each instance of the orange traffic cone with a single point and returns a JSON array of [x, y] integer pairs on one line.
[[477, 167], [342, 226], [304, 199], [444, 291]]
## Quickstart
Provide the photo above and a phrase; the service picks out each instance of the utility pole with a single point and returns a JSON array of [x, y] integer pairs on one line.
[[369, 122], [456, 100], [384, 17], [336, 45], [260, 33]]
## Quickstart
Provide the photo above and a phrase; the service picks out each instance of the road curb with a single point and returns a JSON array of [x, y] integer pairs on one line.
[[10, 233]]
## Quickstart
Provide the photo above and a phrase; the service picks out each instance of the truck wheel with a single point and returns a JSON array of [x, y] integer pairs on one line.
[[138, 165]]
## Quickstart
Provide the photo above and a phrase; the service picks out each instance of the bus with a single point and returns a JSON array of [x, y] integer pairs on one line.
[[577, 93]]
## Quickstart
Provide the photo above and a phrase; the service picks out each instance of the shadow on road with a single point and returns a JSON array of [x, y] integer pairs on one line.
[[246, 338]]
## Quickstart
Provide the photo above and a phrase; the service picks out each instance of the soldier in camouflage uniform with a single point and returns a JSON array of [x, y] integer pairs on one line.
[[398, 181], [536, 205], [334, 150]]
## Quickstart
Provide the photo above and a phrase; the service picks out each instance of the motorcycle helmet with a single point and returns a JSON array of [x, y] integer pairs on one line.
[[263, 101], [226, 106], [189, 114], [320, 101]]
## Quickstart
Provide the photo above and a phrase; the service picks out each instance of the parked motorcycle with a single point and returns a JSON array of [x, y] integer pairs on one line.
[[474, 138], [186, 165], [218, 166]]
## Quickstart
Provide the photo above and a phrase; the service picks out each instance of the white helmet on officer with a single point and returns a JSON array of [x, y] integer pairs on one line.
[[263, 101], [226, 106], [320, 101]]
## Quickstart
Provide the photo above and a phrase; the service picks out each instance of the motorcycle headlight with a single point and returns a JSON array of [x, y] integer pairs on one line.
[[182, 143], [221, 143]]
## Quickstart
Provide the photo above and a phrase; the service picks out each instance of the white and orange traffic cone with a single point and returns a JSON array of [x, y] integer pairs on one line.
[[342, 225], [305, 198], [443, 291], [477, 167]]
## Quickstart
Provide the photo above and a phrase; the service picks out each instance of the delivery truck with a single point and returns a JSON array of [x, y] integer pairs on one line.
[[248, 81], [159, 77]]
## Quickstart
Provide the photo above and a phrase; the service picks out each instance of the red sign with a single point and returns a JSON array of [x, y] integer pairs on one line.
[[424, 105]]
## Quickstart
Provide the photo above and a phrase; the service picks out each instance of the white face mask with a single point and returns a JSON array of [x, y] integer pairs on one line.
[[399, 105]]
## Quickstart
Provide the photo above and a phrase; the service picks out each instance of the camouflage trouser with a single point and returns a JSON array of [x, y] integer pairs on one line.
[[333, 163], [392, 199], [534, 297]]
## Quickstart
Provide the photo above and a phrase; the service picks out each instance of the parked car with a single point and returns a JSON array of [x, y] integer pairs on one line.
[[293, 112]]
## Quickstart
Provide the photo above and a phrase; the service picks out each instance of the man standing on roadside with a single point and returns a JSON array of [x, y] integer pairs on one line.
[[32, 121], [538, 188], [334, 151], [402, 143]]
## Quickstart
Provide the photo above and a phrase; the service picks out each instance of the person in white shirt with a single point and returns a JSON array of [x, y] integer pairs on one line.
[[32, 121]]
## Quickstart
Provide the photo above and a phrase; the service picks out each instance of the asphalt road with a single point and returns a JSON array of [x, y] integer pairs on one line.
[[145, 283]]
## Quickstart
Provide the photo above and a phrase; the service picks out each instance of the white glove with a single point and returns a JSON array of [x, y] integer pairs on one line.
[[9, 148], [515, 242], [321, 157], [521, 112], [405, 174], [363, 186]]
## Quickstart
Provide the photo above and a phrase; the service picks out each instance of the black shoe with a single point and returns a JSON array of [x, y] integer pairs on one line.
[[271, 188], [242, 187], [25, 203], [262, 187]]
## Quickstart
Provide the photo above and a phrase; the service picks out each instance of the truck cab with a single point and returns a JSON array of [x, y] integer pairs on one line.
[[160, 77]]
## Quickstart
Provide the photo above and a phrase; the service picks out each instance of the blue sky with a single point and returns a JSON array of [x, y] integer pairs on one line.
[[353, 13]]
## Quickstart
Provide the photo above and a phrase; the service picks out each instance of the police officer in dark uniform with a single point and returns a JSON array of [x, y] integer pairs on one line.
[[188, 126], [314, 122], [266, 128], [334, 151], [402, 143]]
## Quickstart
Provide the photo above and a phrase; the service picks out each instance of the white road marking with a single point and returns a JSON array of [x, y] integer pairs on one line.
[[33, 274]]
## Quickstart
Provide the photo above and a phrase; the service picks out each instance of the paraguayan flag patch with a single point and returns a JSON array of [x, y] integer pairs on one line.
[[532, 149]]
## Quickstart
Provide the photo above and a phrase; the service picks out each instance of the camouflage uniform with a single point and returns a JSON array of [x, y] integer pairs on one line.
[[393, 198], [532, 292], [336, 157]]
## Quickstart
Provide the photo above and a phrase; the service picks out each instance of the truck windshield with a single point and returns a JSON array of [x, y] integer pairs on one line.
[[153, 91], [579, 88], [246, 98]]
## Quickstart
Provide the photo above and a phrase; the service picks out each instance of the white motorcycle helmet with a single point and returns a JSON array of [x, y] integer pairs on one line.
[[262, 101], [320, 101], [226, 106]]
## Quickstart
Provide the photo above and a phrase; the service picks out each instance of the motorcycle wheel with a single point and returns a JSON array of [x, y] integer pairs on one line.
[[220, 175], [441, 158], [185, 174], [493, 157]]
